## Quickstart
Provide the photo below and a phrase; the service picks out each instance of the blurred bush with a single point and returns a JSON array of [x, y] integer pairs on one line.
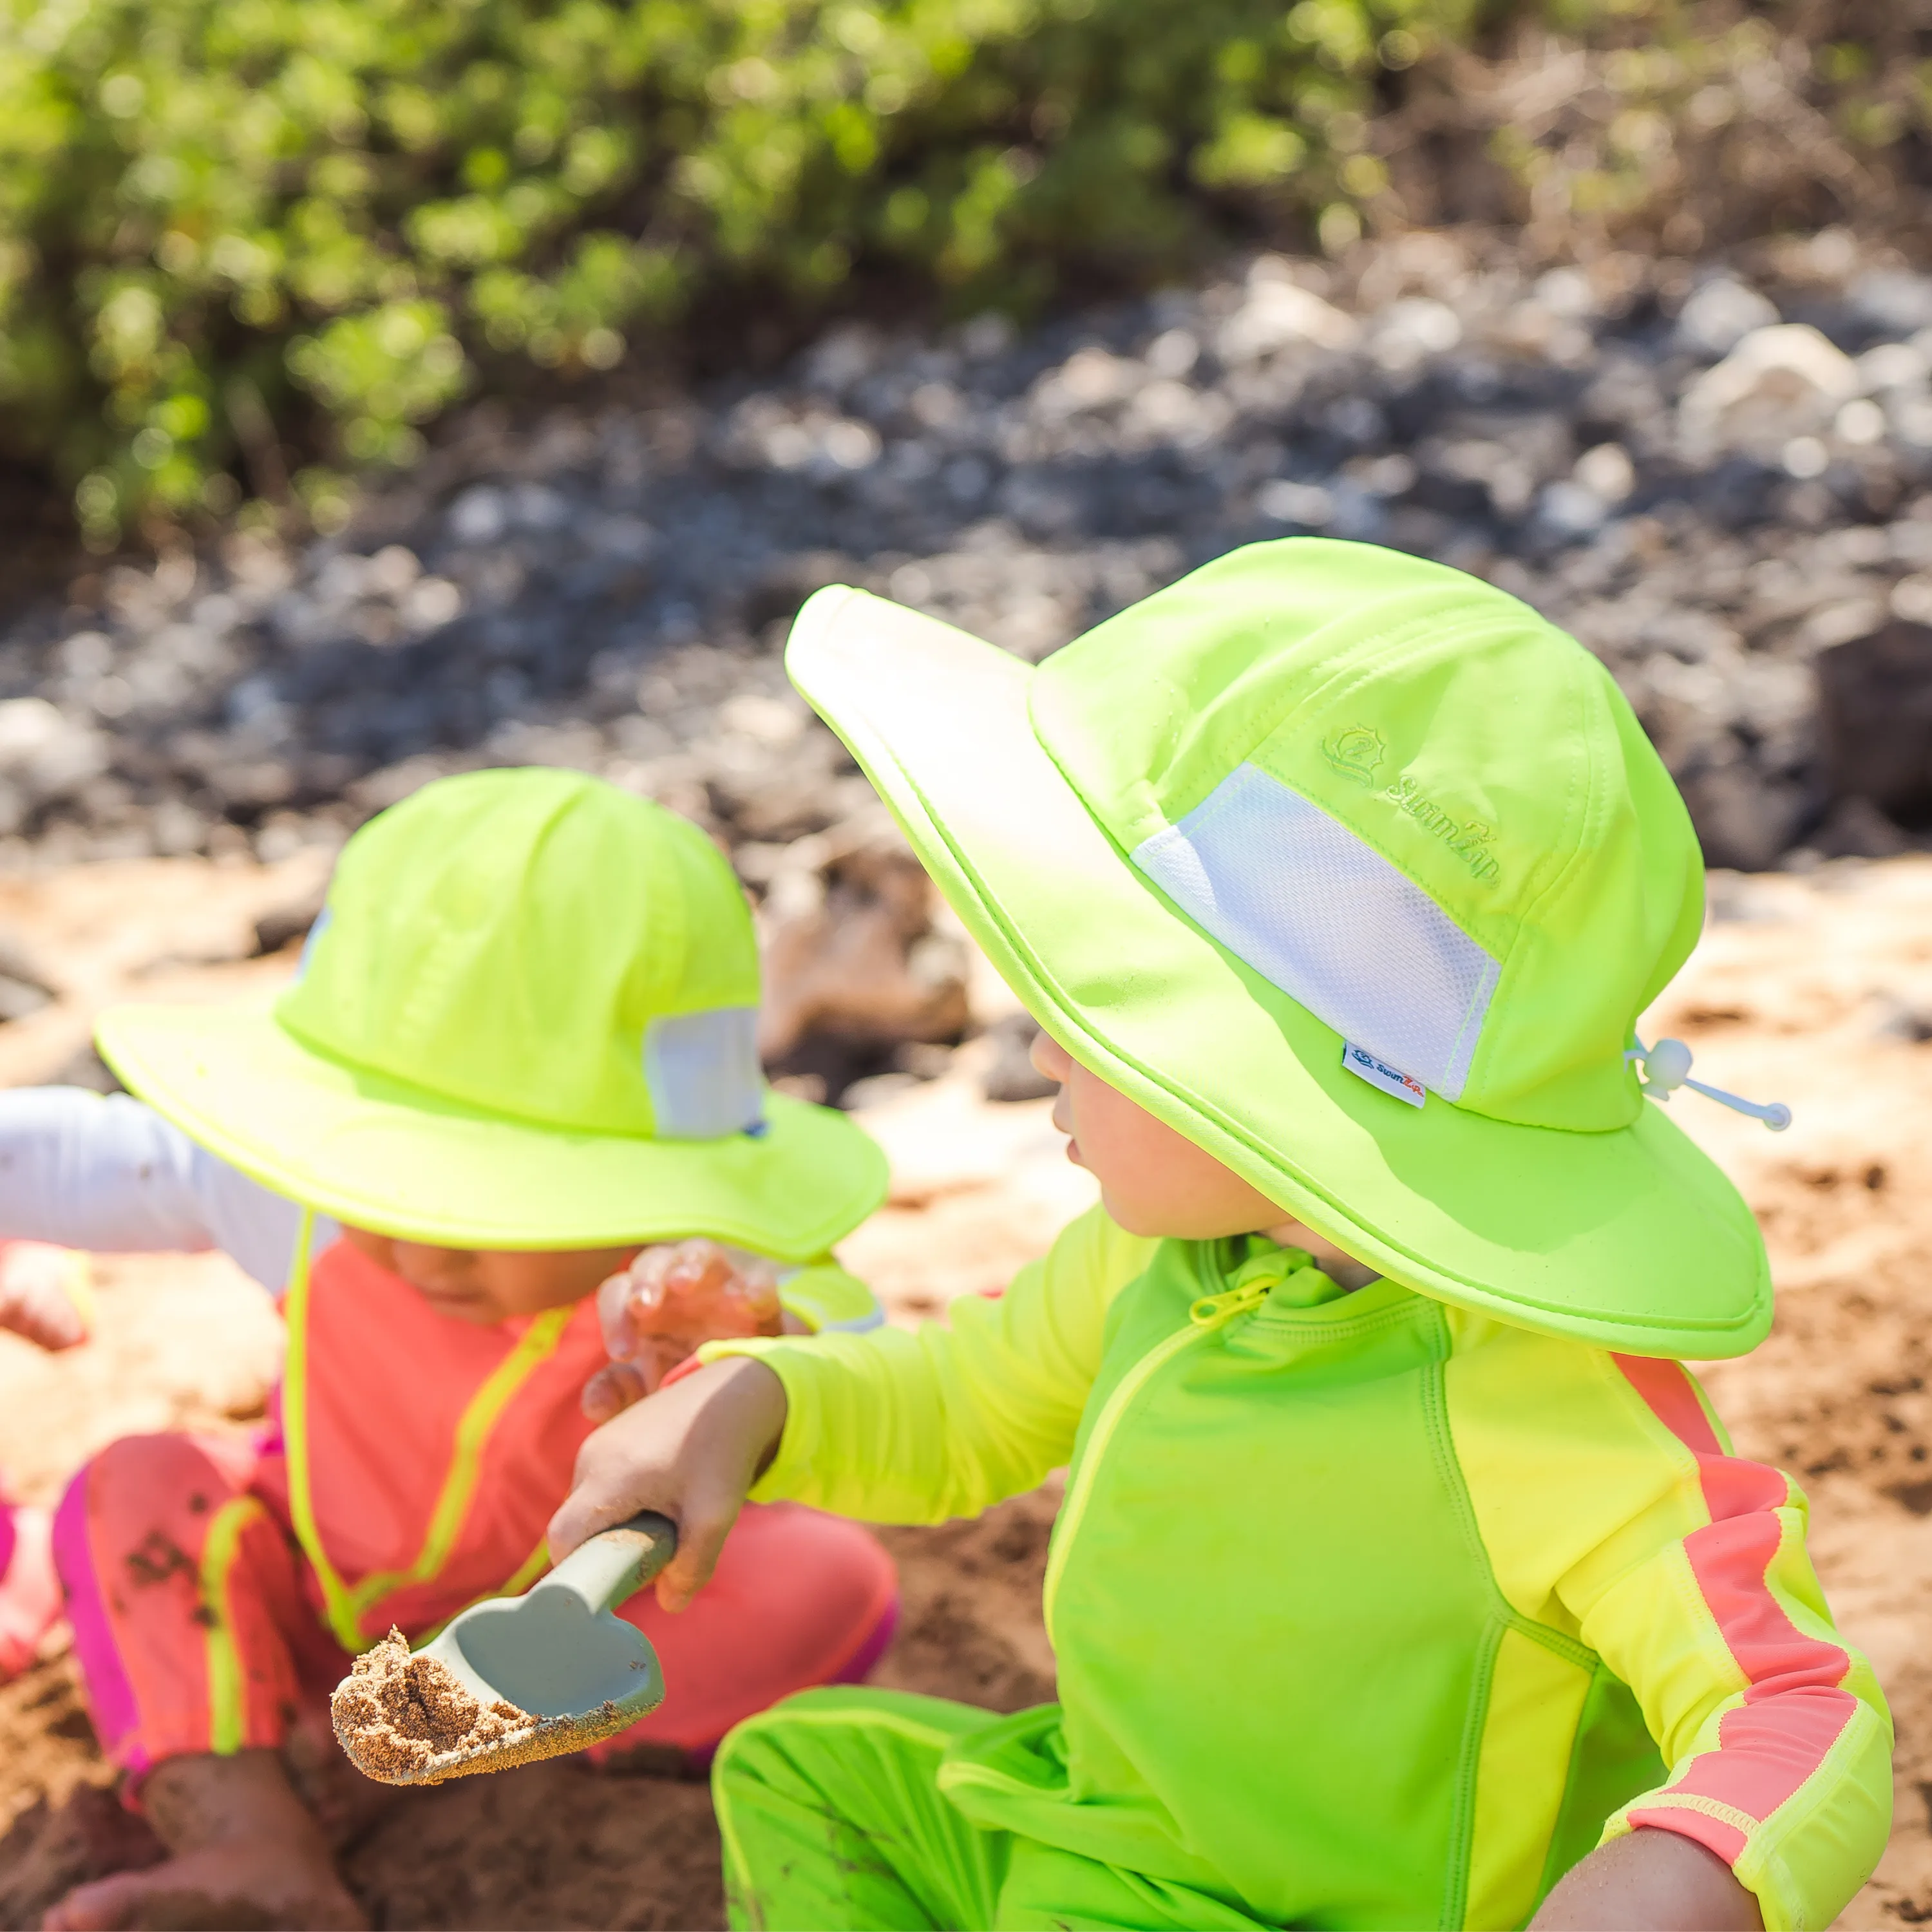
[[1686, 125], [229, 228]]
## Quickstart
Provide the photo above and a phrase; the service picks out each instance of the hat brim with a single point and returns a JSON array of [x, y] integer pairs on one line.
[[380, 1155], [1633, 1240]]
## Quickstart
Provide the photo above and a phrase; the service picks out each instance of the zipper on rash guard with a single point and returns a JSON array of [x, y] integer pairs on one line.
[[1205, 1316]]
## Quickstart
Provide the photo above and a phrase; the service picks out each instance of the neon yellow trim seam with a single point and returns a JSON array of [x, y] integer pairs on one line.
[[1708, 1807], [295, 1431], [227, 1682], [1075, 1507], [471, 1437], [346, 1608]]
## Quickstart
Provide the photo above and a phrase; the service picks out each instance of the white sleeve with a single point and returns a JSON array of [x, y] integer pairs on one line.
[[106, 1173]]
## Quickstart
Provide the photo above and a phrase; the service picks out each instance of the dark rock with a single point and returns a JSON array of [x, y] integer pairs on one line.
[[1738, 493], [282, 924], [1875, 712], [1855, 828]]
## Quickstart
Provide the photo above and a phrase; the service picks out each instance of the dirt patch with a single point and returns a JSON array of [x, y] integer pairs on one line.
[[60, 1822], [556, 1844], [546, 1845]]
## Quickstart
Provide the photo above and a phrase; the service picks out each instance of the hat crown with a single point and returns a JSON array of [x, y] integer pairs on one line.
[[1403, 798], [538, 944]]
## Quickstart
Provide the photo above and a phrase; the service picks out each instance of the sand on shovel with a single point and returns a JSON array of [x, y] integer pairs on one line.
[[405, 1719]]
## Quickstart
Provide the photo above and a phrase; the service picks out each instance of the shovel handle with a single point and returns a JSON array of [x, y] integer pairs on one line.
[[617, 1562]]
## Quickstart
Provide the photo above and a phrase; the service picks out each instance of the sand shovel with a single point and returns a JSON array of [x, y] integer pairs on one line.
[[572, 1672]]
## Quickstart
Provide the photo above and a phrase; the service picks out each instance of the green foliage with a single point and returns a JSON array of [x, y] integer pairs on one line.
[[228, 224], [1689, 124]]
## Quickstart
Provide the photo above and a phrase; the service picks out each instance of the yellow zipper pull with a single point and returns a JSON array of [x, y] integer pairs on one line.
[[1254, 1281], [1211, 1310]]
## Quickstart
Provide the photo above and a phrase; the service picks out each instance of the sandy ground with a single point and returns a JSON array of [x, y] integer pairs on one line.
[[1817, 991]]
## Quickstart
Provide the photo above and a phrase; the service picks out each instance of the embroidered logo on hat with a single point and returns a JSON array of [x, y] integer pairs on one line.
[[1468, 838], [1356, 752]]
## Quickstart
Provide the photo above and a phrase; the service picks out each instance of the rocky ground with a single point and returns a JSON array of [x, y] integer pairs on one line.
[[1814, 989], [1716, 474]]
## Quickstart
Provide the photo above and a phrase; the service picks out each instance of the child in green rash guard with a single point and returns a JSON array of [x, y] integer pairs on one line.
[[1404, 1577]]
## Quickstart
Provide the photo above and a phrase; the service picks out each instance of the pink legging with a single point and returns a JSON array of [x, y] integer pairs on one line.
[[197, 1624]]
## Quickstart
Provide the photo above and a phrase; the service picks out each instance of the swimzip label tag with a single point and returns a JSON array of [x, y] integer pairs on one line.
[[1364, 1064]]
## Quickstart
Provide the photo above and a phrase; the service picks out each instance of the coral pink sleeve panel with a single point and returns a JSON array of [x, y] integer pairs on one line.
[[1800, 1728], [1614, 1513]]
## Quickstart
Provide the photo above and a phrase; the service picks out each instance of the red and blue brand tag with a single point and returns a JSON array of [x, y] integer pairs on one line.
[[1378, 1072]]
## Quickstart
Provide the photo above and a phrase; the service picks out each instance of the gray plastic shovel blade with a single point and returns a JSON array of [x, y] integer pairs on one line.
[[556, 1651]]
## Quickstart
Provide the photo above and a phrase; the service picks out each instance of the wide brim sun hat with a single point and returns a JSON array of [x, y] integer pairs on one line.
[[526, 1020], [1358, 872]]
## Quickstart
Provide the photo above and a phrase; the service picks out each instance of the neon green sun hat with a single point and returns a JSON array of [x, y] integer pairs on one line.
[[526, 1019], [1358, 873]]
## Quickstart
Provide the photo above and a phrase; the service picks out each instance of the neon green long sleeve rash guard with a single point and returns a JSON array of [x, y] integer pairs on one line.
[[1369, 1612]]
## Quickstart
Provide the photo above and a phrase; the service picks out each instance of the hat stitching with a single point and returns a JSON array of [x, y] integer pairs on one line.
[[1557, 856], [1421, 628], [1402, 641]]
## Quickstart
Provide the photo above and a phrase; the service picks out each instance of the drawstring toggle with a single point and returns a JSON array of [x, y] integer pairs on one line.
[[1666, 1066]]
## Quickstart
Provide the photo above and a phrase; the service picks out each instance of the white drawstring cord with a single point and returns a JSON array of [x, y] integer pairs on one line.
[[1666, 1066]]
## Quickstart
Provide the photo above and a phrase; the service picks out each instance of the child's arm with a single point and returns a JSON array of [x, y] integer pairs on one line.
[[1616, 1513], [691, 1452], [107, 1175], [888, 1426], [1657, 1881], [1772, 1728]]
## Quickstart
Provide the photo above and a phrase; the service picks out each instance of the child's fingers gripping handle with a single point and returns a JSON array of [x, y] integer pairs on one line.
[[690, 1452], [603, 1566], [615, 1563]]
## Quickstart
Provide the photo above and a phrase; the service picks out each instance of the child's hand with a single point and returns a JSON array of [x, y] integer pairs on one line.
[[691, 1451], [670, 1301], [42, 1291]]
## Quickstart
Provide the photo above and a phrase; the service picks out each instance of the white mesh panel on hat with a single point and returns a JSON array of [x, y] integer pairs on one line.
[[704, 1073], [1328, 919]]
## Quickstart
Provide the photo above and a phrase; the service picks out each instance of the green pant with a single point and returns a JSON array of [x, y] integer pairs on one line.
[[833, 1821]]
